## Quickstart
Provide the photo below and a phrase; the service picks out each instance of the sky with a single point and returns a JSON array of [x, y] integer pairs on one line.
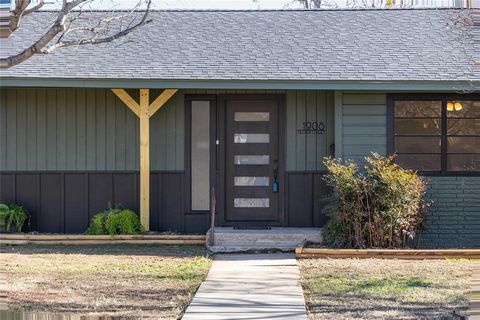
[[236, 4]]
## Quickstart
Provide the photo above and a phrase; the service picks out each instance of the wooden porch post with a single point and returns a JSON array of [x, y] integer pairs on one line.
[[144, 111], [144, 159]]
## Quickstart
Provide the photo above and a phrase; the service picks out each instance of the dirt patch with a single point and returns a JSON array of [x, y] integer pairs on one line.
[[130, 281], [385, 289]]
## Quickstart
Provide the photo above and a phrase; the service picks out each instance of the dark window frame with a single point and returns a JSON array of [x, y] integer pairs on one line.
[[212, 98], [444, 98]]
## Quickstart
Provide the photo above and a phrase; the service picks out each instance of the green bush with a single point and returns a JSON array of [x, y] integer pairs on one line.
[[97, 224], [13, 216], [124, 222], [115, 221], [380, 206], [4, 209]]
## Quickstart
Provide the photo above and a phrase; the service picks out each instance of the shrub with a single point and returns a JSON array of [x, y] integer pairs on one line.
[[13, 216], [123, 222], [380, 206], [97, 224], [115, 221], [4, 209]]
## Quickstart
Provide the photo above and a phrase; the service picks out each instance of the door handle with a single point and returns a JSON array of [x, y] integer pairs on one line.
[[275, 184]]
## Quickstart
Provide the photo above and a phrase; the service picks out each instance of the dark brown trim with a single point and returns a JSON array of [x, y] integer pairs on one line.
[[443, 136], [444, 98]]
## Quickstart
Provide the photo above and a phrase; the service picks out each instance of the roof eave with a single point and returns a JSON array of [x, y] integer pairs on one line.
[[472, 85]]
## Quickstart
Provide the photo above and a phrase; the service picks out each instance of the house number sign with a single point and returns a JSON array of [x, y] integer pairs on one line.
[[312, 127]]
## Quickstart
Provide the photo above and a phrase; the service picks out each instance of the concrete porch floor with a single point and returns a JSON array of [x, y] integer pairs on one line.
[[229, 239]]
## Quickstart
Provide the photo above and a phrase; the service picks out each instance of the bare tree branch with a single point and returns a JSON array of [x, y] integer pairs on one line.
[[64, 24], [34, 8], [21, 10]]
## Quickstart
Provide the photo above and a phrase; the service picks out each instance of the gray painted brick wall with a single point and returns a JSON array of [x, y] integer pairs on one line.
[[454, 217]]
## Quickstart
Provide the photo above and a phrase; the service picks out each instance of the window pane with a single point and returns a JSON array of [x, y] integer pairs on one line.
[[464, 126], [463, 109], [417, 126], [463, 162], [463, 144], [422, 109], [251, 202], [251, 181], [251, 138], [264, 159], [418, 144], [252, 116], [200, 162], [420, 162]]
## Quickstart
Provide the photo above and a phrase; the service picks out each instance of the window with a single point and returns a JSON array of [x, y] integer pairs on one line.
[[436, 133], [463, 135], [200, 155], [418, 126]]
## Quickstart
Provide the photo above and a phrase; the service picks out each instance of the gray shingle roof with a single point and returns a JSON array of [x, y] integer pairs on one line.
[[350, 45]]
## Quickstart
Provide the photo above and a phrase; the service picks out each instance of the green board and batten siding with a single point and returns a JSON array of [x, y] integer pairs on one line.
[[305, 152], [71, 130]]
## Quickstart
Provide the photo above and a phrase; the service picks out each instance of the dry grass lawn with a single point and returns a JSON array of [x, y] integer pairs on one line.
[[120, 280], [385, 289]]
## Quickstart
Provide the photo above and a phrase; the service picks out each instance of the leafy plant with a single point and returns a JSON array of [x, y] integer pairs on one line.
[[115, 221], [4, 209], [13, 216], [380, 206], [97, 224], [123, 222]]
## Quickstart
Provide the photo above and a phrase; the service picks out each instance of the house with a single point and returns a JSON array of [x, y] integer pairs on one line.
[[245, 104]]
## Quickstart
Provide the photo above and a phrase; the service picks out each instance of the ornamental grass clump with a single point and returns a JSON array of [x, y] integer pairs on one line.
[[381, 206]]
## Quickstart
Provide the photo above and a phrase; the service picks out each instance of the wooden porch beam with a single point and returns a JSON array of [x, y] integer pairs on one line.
[[128, 100], [160, 101], [144, 110]]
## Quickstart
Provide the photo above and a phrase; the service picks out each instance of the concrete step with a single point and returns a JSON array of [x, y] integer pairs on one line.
[[243, 240]]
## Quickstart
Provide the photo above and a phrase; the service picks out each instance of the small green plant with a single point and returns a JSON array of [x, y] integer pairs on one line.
[[380, 206], [13, 216], [123, 222], [4, 209], [97, 224], [115, 221]]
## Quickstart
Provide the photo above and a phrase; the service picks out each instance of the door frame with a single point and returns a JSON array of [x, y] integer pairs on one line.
[[220, 179]]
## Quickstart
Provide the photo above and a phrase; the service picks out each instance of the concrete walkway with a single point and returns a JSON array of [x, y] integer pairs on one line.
[[250, 286], [474, 312]]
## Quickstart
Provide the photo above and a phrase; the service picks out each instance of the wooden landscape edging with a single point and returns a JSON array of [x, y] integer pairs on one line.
[[80, 239], [413, 254]]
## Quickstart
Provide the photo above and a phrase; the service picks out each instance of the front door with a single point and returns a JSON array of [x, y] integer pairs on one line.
[[252, 167]]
